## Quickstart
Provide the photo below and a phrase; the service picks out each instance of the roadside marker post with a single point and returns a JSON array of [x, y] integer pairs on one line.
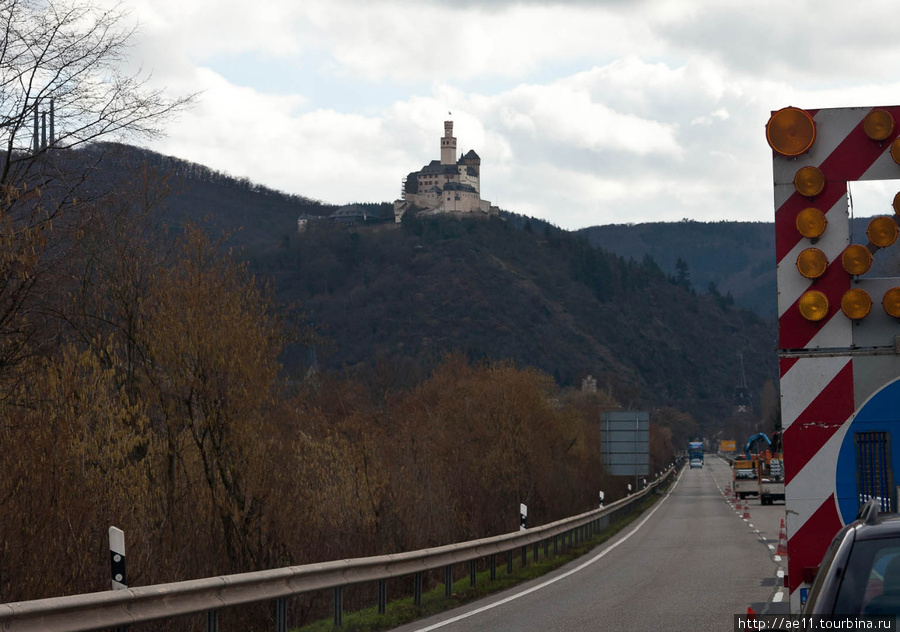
[[117, 558]]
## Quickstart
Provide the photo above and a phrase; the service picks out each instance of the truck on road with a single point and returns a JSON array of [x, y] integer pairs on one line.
[[744, 477], [695, 454], [771, 479]]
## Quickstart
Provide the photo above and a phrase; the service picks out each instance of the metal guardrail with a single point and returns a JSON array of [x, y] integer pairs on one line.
[[117, 608]]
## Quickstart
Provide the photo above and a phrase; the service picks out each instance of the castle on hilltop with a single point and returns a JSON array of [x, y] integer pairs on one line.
[[447, 185]]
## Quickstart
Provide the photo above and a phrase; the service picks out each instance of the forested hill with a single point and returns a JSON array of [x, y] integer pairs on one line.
[[399, 297], [736, 258], [403, 296]]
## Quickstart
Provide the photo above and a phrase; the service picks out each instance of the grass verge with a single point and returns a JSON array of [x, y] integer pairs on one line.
[[402, 611]]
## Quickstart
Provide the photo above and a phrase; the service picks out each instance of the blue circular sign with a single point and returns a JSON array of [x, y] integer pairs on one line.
[[880, 416]]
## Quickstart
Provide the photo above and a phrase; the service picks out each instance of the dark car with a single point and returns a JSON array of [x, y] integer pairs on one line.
[[860, 573]]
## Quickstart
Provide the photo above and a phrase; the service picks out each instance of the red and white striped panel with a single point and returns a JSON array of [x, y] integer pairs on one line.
[[817, 391]]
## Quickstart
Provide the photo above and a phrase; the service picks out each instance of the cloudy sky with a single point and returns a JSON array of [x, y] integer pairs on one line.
[[583, 112]]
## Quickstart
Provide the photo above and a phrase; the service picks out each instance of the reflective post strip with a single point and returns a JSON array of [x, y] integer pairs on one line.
[[117, 558]]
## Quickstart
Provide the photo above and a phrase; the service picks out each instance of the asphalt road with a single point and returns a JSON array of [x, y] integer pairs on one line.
[[691, 562]]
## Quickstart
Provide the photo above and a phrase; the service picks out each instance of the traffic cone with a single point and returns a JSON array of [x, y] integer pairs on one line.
[[746, 515], [751, 614], [782, 541]]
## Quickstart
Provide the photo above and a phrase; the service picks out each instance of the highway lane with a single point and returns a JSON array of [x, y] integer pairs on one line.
[[766, 520], [690, 562]]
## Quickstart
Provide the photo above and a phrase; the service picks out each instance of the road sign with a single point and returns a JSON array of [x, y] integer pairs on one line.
[[836, 343], [625, 442]]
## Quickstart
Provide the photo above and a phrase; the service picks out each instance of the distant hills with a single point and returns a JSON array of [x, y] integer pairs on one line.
[[737, 257], [388, 301]]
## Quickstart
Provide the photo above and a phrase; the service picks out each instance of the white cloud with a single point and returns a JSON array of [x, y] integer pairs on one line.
[[581, 111]]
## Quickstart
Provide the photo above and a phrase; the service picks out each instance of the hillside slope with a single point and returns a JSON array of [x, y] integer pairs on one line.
[[388, 301], [738, 257], [407, 295]]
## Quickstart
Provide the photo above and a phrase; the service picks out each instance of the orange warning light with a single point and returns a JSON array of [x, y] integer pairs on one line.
[[791, 131], [878, 124], [813, 305]]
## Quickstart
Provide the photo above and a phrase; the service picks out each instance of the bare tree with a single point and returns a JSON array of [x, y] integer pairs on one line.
[[64, 57], [68, 55]]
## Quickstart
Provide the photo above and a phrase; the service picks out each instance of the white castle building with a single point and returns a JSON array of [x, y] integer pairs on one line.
[[447, 185]]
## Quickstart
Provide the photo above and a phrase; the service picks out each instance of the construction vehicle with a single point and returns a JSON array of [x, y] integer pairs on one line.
[[770, 474], [745, 474], [695, 454], [749, 445]]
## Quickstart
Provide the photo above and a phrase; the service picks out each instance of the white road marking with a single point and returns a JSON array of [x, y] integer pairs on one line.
[[558, 577], [778, 597]]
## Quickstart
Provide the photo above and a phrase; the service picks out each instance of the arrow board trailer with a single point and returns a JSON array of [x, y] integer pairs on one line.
[[838, 330]]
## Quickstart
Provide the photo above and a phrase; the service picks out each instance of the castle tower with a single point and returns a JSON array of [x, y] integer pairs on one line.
[[448, 145]]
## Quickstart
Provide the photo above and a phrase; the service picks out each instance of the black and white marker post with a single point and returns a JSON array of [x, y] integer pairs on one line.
[[117, 558], [523, 516]]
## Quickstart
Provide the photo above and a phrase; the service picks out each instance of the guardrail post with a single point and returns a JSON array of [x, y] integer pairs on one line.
[[509, 555], [417, 589], [536, 544], [338, 607], [524, 556], [472, 573], [281, 615], [546, 548], [382, 596], [493, 566], [555, 545], [448, 581], [212, 621]]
